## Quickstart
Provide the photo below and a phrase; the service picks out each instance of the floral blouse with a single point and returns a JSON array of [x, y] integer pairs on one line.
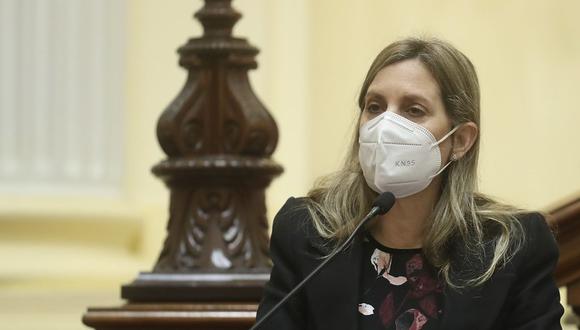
[[400, 290]]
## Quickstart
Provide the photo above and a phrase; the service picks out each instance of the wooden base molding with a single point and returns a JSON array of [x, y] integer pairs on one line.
[[167, 316], [155, 287]]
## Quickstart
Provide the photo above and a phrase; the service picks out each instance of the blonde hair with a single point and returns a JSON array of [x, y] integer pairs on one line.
[[474, 222]]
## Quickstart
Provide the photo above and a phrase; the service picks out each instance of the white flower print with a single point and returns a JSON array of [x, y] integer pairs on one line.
[[366, 309], [381, 261]]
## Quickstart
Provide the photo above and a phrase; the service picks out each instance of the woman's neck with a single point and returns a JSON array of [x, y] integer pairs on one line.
[[403, 227]]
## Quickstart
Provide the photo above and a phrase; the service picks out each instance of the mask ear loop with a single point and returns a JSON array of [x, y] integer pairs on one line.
[[441, 170], [452, 158], [445, 136]]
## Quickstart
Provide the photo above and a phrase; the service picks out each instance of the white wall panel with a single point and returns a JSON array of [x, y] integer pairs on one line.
[[60, 96]]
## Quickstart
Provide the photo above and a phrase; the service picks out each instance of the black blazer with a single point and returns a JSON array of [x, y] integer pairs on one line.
[[521, 295]]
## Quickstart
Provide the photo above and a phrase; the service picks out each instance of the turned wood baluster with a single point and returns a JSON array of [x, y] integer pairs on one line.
[[218, 138]]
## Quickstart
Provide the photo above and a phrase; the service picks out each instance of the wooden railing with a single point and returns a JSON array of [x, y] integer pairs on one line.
[[565, 219]]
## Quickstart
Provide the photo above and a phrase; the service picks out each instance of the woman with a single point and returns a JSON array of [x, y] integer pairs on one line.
[[445, 256]]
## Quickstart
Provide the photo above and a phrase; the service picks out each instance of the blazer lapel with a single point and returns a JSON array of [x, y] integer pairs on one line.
[[334, 291], [466, 309], [458, 307]]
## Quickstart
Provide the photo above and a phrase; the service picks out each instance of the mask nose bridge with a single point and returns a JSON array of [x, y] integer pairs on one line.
[[375, 121], [399, 120]]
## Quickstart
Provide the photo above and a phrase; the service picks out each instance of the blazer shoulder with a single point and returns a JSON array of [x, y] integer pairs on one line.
[[537, 232], [540, 248], [295, 242], [532, 245], [292, 214], [534, 296], [292, 223]]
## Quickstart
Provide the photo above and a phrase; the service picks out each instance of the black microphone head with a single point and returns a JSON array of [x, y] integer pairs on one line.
[[384, 202]]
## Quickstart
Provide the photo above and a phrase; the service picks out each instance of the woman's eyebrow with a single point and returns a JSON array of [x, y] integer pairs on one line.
[[407, 96], [373, 94], [418, 97]]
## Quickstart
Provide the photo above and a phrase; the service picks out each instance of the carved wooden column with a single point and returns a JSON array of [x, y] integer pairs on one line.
[[218, 138]]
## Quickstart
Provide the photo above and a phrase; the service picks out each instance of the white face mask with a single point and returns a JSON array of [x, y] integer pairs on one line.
[[398, 155]]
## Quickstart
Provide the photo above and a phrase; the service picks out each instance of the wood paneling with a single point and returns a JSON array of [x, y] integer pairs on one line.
[[565, 219]]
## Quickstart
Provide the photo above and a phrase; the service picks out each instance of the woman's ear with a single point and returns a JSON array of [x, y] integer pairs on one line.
[[463, 139]]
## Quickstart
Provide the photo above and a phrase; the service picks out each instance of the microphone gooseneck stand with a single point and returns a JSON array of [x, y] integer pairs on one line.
[[382, 204]]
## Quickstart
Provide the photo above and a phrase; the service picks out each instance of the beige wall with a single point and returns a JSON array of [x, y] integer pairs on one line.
[[314, 57], [527, 55]]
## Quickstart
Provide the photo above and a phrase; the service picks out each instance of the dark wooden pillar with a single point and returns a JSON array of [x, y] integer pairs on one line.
[[565, 218], [218, 138]]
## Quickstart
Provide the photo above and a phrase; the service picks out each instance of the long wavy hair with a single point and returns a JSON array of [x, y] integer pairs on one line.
[[464, 223]]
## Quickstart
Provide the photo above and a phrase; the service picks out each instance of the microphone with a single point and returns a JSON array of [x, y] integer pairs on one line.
[[381, 205]]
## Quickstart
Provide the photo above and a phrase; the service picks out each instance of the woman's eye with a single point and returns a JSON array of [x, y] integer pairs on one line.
[[373, 108], [415, 111]]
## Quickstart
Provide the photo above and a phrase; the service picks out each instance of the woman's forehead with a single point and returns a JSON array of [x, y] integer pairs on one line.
[[408, 78]]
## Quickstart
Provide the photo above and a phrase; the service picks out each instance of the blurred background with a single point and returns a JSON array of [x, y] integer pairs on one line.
[[82, 83]]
